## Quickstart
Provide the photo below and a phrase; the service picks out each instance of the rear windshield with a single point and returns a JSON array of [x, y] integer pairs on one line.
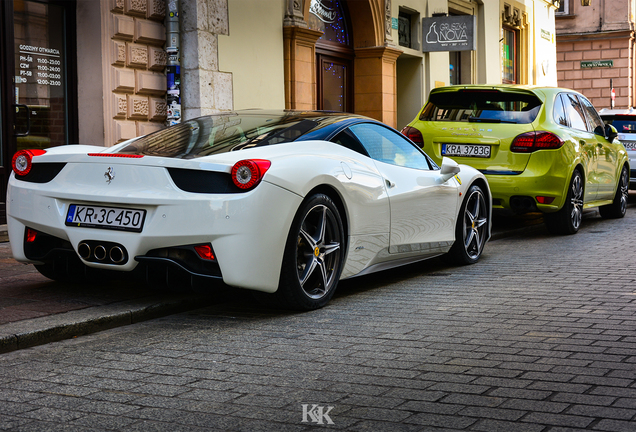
[[481, 106], [623, 124], [220, 134]]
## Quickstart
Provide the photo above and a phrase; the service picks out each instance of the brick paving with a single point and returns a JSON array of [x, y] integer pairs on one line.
[[540, 335]]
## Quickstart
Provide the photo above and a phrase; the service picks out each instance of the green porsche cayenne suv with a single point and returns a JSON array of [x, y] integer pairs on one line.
[[541, 148]]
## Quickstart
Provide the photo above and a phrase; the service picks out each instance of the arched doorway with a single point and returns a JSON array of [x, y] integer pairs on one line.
[[367, 59], [334, 55]]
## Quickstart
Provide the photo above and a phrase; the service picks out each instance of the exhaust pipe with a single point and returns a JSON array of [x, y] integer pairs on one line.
[[100, 253], [84, 250], [116, 254], [103, 252]]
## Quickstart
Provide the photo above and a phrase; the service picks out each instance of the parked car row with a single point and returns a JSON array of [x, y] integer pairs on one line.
[[541, 149], [291, 202]]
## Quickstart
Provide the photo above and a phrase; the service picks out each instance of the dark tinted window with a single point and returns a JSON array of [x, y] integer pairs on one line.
[[595, 123], [222, 133], [560, 117], [490, 106], [624, 124], [348, 140], [385, 145], [574, 111]]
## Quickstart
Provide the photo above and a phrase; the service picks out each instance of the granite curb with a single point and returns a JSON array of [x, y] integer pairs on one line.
[[38, 331]]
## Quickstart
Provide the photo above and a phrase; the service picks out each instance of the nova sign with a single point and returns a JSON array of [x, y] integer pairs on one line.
[[449, 33]]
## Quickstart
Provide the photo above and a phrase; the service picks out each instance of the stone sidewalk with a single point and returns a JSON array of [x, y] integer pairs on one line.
[[539, 336]]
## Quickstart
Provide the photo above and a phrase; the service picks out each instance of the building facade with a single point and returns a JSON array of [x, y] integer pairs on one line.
[[595, 50], [103, 71]]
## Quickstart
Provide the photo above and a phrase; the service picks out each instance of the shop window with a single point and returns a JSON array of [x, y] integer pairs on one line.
[[455, 63], [408, 28], [564, 8], [328, 16], [510, 56], [404, 29]]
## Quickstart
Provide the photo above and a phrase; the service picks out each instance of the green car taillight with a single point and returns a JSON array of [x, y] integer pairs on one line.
[[532, 141]]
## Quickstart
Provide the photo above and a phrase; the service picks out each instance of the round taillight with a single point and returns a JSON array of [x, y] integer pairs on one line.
[[22, 161], [247, 173]]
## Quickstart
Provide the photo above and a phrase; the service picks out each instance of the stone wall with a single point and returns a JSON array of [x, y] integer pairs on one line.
[[594, 82], [133, 68]]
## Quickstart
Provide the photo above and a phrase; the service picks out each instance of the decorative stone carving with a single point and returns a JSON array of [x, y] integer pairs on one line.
[[138, 107], [136, 8], [158, 109], [294, 14], [121, 106], [157, 59], [117, 53], [117, 6], [157, 9], [511, 16], [137, 56], [388, 38]]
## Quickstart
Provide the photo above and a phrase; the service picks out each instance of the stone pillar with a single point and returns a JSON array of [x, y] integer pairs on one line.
[[300, 67], [375, 90], [133, 64], [205, 90]]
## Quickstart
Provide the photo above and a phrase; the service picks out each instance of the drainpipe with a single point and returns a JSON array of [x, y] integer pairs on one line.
[[173, 72]]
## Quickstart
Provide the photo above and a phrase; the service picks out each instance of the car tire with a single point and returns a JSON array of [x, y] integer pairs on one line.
[[314, 255], [618, 207], [471, 229], [568, 220]]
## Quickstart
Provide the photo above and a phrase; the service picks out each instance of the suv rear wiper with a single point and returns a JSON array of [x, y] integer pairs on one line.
[[489, 120]]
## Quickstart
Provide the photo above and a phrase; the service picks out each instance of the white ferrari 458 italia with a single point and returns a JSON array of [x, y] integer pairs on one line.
[[283, 202]]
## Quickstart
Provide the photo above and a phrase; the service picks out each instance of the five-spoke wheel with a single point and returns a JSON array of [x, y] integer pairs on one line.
[[618, 207], [472, 228], [314, 255], [568, 219]]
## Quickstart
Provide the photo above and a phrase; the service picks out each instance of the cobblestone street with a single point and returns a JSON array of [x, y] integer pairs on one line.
[[540, 335]]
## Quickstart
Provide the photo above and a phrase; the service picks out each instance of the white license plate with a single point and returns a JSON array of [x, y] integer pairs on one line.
[[466, 150], [123, 219], [629, 145]]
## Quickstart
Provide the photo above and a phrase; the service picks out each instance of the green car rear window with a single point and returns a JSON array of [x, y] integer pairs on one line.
[[481, 106]]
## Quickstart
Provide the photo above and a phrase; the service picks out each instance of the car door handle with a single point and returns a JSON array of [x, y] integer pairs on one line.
[[389, 183]]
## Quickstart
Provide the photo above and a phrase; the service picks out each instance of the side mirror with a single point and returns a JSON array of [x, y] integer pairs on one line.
[[610, 132], [449, 169]]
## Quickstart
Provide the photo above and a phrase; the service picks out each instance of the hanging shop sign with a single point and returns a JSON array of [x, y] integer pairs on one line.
[[449, 33]]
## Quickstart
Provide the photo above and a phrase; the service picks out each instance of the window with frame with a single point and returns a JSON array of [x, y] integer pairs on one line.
[[510, 56], [384, 145], [564, 8]]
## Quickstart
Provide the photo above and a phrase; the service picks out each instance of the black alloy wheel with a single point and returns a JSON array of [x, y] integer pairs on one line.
[[471, 229], [314, 255], [618, 207]]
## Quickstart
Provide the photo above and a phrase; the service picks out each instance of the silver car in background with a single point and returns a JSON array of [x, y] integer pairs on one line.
[[624, 120]]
